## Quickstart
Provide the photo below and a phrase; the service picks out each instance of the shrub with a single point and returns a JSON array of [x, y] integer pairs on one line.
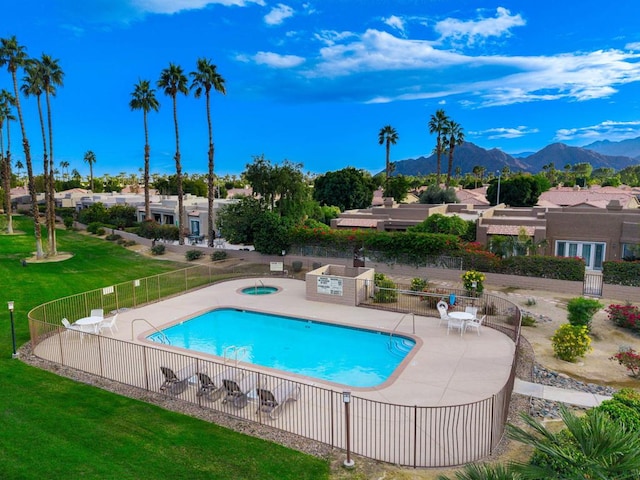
[[158, 249], [192, 255], [296, 265], [218, 255], [93, 227], [418, 284], [528, 321], [473, 282], [581, 311], [68, 223], [385, 289], [555, 463], [316, 265], [628, 358], [625, 316], [101, 231], [112, 237], [571, 341], [127, 243], [624, 408]]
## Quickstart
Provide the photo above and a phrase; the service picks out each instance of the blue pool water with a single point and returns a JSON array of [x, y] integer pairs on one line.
[[259, 290], [349, 356]]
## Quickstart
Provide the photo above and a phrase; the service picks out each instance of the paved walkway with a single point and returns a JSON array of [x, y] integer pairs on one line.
[[573, 397]]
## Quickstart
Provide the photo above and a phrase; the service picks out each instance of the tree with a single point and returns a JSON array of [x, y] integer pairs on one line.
[[437, 124], [398, 188], [205, 78], [387, 136], [173, 81], [6, 102], [519, 190], [453, 131], [90, 159], [478, 172], [439, 223], [346, 189], [235, 221], [143, 98], [64, 165], [435, 195]]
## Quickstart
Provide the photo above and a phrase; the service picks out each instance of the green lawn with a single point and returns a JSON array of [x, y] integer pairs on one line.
[[52, 427]]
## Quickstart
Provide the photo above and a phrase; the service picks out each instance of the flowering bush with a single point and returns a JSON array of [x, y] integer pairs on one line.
[[418, 284], [625, 316], [469, 278], [571, 341], [628, 358]]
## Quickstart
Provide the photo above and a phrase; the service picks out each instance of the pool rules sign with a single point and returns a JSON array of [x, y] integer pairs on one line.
[[330, 285]]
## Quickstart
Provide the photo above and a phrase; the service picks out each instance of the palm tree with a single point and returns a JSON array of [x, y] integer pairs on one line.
[[143, 98], [204, 79], [455, 135], [90, 159], [388, 136], [6, 102], [52, 77], [478, 172], [64, 165], [173, 81], [13, 55], [483, 471], [437, 124], [602, 449]]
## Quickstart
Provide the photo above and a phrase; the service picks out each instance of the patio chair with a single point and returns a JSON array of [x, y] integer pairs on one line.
[[237, 390], [173, 384], [472, 310], [455, 323], [272, 402], [475, 323], [212, 389], [76, 328], [442, 310], [97, 312], [109, 323]]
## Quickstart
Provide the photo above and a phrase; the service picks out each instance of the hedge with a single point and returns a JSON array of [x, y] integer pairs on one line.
[[621, 273]]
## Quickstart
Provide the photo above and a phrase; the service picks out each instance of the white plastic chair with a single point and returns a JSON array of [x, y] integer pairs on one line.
[[475, 323], [443, 311], [97, 312], [109, 323], [472, 310], [74, 328], [456, 323]]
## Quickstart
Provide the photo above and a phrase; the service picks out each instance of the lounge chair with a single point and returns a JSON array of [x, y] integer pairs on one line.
[[237, 390], [109, 323], [443, 311], [272, 402], [475, 323], [175, 384], [212, 389]]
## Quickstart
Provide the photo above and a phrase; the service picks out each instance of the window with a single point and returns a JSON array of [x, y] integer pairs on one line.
[[630, 251], [591, 252]]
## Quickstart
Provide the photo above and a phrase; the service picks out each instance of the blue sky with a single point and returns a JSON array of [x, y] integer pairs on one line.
[[314, 81]]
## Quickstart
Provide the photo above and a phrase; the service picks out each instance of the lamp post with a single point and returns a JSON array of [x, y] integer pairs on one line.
[[346, 398], [498, 195], [13, 330]]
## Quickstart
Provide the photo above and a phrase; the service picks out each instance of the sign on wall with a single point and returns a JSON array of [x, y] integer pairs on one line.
[[330, 285]]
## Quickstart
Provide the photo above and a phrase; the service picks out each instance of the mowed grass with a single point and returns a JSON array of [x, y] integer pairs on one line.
[[52, 427]]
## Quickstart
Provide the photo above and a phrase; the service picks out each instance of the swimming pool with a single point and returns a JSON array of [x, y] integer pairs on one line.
[[350, 356]]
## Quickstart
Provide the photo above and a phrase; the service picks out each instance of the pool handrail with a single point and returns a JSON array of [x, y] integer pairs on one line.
[[162, 334]]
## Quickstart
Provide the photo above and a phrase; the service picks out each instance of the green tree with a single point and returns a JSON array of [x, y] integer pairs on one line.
[[144, 98], [439, 223], [437, 124], [173, 81], [435, 195], [454, 135], [205, 78], [235, 221], [271, 233], [346, 189], [478, 172], [483, 471], [520, 190], [90, 159], [582, 172], [14, 56], [398, 188], [387, 136]]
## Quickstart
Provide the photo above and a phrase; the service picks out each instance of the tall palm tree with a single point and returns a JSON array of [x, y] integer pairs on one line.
[[205, 78], [453, 135], [32, 86], [90, 159], [143, 98], [173, 81], [52, 77], [6, 102], [64, 165], [14, 56], [388, 136], [437, 124]]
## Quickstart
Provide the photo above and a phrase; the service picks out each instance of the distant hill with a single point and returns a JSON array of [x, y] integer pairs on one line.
[[626, 148], [560, 155], [469, 155]]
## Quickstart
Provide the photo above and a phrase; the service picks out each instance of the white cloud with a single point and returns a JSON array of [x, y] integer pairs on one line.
[[471, 30], [173, 6], [395, 22], [634, 46], [278, 14], [276, 60], [505, 132], [331, 37], [609, 129]]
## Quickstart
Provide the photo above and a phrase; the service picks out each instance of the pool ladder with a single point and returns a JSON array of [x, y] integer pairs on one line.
[[162, 336], [413, 317], [237, 352]]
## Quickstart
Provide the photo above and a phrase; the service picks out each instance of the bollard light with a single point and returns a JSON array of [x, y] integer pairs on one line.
[[346, 398], [13, 331]]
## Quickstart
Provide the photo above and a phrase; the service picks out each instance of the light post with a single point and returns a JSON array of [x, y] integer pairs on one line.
[[346, 398], [498, 195], [13, 330]]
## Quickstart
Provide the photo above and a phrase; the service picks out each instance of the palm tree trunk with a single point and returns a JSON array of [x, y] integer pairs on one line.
[[438, 153], [147, 206], [450, 166], [53, 247], [45, 172], [386, 181], [210, 192], [6, 177], [178, 175], [32, 185]]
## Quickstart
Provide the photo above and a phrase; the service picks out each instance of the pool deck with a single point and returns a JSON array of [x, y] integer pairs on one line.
[[444, 370]]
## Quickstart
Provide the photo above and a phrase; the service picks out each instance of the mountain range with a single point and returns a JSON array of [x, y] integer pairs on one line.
[[601, 154]]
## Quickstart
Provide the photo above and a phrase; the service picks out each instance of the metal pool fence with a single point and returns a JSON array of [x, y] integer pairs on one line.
[[408, 435]]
